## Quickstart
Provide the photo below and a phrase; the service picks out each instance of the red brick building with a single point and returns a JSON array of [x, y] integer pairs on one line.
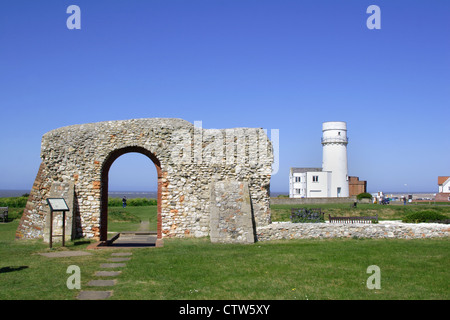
[[444, 189], [355, 186]]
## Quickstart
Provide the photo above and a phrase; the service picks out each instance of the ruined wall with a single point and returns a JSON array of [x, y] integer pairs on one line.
[[231, 215], [188, 159], [381, 230]]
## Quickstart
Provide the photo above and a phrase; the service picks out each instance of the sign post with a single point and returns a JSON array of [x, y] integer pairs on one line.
[[58, 205]]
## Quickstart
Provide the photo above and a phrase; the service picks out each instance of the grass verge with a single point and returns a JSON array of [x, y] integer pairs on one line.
[[385, 212], [197, 269]]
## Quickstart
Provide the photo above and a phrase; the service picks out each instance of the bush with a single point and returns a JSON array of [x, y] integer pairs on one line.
[[424, 216], [14, 202], [304, 215], [20, 202], [364, 195]]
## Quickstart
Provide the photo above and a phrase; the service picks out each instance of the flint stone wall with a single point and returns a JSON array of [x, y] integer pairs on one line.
[[384, 229], [301, 201], [187, 158], [231, 213]]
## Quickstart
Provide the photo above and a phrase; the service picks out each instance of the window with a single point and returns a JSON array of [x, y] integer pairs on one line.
[[315, 178], [298, 179]]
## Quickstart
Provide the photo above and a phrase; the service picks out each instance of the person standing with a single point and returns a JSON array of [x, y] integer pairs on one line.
[[124, 201]]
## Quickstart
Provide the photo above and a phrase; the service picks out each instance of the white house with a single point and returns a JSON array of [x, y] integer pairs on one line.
[[332, 179], [309, 183], [444, 184], [444, 189]]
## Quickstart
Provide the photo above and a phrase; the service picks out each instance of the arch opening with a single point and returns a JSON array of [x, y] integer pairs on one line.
[[105, 187]]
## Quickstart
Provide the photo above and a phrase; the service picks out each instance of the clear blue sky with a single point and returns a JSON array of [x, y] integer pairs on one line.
[[275, 64]]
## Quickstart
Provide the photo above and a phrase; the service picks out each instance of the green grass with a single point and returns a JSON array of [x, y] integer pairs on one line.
[[300, 269], [133, 202], [198, 269], [385, 212], [129, 218], [25, 275]]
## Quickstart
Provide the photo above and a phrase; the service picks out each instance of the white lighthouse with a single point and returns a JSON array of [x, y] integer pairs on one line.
[[334, 157], [331, 180]]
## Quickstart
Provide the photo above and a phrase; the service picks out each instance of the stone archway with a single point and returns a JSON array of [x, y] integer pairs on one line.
[[105, 186], [204, 178]]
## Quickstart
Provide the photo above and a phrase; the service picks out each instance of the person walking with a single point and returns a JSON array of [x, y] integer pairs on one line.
[[124, 201]]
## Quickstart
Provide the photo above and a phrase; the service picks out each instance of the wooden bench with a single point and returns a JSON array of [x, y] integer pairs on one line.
[[353, 219], [4, 214]]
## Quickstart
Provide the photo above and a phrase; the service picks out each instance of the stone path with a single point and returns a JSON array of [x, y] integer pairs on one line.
[[141, 238], [116, 261], [60, 254], [144, 226], [134, 240], [111, 268]]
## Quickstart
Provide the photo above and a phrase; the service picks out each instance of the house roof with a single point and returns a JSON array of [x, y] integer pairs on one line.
[[301, 170], [442, 179]]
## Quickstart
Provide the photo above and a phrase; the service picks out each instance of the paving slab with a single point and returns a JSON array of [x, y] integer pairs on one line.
[[134, 240], [118, 259], [121, 254], [94, 295], [107, 273], [60, 254], [102, 283], [112, 265]]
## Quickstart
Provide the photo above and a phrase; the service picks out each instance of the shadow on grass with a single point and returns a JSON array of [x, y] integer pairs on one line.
[[82, 242], [12, 269]]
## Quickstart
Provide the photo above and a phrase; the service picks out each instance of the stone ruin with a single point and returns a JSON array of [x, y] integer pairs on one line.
[[211, 182]]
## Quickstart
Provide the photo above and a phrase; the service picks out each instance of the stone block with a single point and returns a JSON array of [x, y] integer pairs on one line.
[[231, 216]]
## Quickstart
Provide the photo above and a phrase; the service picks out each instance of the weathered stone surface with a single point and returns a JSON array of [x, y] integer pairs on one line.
[[102, 283], [94, 295], [231, 213], [384, 229], [121, 254], [187, 159], [61, 190], [112, 265], [118, 259], [107, 273]]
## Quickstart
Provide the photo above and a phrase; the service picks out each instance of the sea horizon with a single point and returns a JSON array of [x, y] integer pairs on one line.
[[4, 193]]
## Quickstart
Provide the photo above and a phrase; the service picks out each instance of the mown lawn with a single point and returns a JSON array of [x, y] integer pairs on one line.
[[300, 269], [197, 269], [385, 212], [129, 218]]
